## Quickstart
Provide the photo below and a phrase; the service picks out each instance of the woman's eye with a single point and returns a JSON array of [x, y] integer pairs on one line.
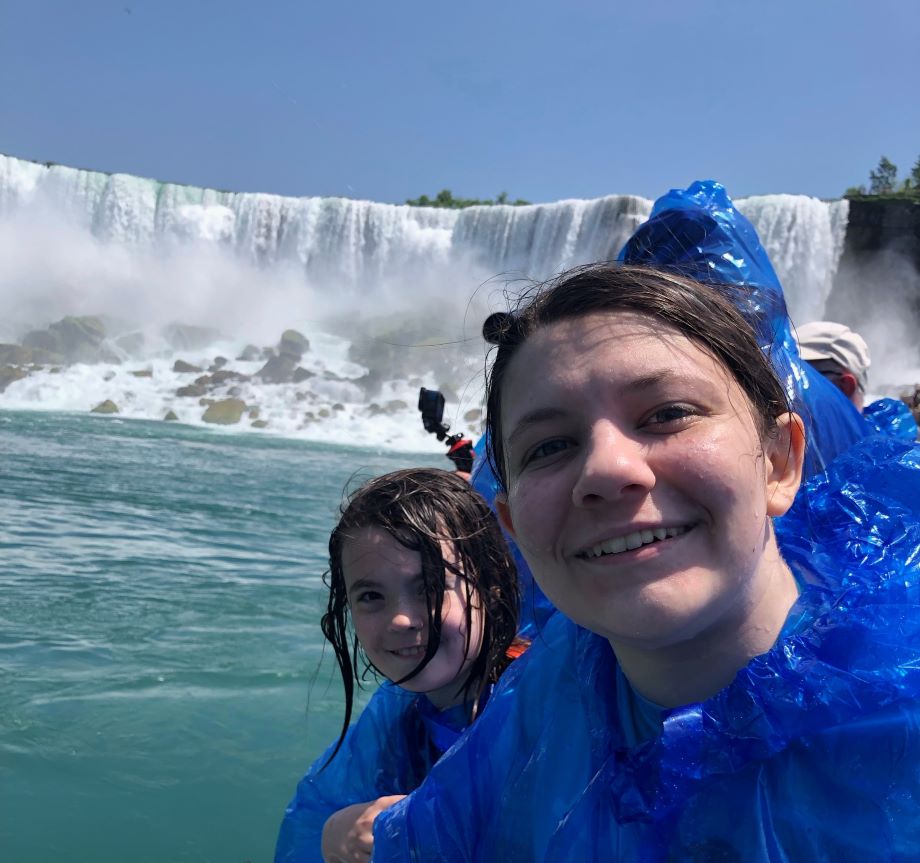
[[671, 415], [546, 449]]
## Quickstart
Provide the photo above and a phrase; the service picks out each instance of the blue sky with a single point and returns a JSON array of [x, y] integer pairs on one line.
[[387, 100]]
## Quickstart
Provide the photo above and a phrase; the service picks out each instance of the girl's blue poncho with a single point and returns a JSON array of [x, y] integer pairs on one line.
[[811, 754], [389, 750]]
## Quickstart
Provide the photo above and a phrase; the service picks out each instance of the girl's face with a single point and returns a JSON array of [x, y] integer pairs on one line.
[[638, 484], [386, 597]]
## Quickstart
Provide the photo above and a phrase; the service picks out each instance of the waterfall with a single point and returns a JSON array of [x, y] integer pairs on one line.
[[391, 296], [361, 244], [804, 238]]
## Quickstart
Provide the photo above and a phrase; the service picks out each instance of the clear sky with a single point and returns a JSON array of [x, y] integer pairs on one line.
[[388, 99]]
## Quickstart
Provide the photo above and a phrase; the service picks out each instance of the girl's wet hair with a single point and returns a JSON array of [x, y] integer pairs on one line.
[[707, 314], [421, 508]]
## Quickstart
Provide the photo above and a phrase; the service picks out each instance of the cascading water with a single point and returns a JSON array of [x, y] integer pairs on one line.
[[391, 296]]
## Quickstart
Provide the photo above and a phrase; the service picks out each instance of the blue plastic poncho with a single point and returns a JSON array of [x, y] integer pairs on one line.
[[698, 232], [535, 607], [389, 750], [812, 753], [892, 417]]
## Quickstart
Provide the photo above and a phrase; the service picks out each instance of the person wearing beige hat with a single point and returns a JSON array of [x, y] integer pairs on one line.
[[839, 354], [842, 356]]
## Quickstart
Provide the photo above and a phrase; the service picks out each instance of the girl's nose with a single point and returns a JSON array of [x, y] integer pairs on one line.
[[408, 617], [613, 465]]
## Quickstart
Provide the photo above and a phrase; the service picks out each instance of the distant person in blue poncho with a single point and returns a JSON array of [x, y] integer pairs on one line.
[[728, 679], [418, 565], [842, 356]]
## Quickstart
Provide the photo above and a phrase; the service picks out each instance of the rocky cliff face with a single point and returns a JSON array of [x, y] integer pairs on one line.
[[884, 224], [877, 286]]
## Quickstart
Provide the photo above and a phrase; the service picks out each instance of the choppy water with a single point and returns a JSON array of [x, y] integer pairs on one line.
[[159, 643]]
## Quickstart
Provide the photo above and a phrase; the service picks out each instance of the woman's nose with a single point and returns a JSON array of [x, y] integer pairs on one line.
[[613, 465]]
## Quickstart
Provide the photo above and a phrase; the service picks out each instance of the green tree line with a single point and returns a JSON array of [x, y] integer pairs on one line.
[[884, 181], [446, 199]]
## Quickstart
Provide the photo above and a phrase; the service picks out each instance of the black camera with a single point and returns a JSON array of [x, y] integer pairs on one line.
[[431, 404], [459, 449]]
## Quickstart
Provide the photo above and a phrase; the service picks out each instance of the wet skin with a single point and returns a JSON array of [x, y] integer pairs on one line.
[[639, 491], [386, 598]]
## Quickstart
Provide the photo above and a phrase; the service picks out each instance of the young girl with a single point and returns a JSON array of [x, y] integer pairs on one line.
[[422, 591], [728, 680]]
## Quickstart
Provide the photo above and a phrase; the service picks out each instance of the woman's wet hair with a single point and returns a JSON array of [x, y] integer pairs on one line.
[[421, 508], [707, 314]]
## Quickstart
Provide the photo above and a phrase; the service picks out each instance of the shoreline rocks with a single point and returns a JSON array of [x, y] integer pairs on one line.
[[106, 407], [225, 412]]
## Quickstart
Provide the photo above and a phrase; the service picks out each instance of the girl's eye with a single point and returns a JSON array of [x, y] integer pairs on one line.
[[546, 449], [368, 596], [671, 416]]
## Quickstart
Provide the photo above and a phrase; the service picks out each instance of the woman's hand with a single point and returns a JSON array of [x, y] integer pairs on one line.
[[348, 835]]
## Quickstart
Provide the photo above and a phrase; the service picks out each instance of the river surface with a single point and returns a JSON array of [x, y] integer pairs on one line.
[[163, 683]]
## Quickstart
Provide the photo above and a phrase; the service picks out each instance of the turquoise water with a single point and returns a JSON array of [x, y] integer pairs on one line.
[[161, 689]]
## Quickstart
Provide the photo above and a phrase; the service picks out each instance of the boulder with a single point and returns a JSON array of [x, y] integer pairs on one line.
[[250, 354], [45, 358], [76, 339], [187, 338], [193, 391], [15, 355], [279, 370], [220, 377], [391, 407], [259, 424], [143, 373], [131, 343], [293, 344], [46, 340], [472, 416], [8, 374], [106, 407], [449, 393], [225, 412], [170, 417], [219, 363], [183, 368], [81, 339]]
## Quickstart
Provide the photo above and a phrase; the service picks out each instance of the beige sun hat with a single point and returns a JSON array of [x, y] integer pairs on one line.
[[825, 340]]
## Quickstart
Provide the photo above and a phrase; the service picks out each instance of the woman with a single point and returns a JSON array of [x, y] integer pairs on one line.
[[716, 694]]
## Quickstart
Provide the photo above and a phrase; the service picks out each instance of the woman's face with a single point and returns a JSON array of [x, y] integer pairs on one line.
[[386, 597], [639, 488]]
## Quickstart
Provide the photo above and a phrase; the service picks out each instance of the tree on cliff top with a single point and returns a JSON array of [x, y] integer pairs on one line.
[[915, 175], [883, 179], [445, 199]]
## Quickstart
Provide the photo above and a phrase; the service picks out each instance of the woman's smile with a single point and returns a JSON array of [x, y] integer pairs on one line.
[[630, 449], [632, 541]]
